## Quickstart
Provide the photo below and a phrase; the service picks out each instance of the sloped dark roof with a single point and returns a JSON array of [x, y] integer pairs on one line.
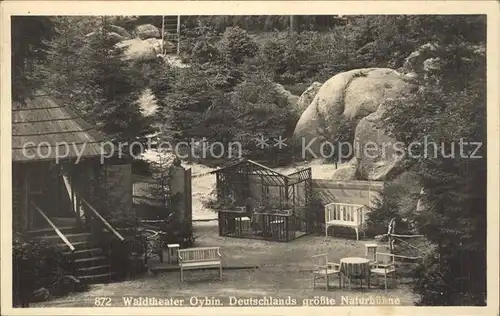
[[41, 124]]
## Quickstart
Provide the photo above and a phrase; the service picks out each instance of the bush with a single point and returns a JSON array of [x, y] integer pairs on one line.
[[437, 282], [36, 264], [306, 57], [236, 45], [126, 258], [255, 107], [204, 52], [317, 214], [193, 34], [398, 200]]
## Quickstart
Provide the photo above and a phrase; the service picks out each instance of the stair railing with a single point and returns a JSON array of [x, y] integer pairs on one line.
[[60, 234], [54, 227], [105, 222]]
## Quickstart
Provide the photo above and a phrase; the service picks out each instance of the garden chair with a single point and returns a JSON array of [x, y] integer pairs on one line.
[[324, 269], [384, 266]]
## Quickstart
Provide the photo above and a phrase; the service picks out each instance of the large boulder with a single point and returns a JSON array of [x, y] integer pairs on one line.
[[307, 97], [147, 31], [137, 48], [377, 152], [346, 171], [415, 62], [118, 30], [355, 97], [349, 96]]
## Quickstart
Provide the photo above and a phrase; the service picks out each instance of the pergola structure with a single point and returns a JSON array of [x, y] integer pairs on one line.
[[258, 202]]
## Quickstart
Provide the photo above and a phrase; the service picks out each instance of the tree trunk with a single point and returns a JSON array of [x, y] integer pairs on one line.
[[294, 23]]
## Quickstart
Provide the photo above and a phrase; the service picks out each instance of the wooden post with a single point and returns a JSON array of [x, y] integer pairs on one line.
[[293, 23], [390, 232], [162, 34], [72, 188], [178, 34], [177, 188]]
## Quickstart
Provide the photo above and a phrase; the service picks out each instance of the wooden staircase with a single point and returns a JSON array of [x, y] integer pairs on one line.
[[171, 29], [91, 263]]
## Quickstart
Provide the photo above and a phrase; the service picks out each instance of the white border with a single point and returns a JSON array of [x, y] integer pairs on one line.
[[491, 8]]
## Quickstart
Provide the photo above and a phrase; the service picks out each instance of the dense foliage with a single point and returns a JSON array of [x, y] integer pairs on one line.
[[88, 72], [398, 201], [452, 175], [28, 53], [35, 265]]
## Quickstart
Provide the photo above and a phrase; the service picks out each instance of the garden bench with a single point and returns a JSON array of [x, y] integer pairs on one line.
[[199, 258], [345, 215]]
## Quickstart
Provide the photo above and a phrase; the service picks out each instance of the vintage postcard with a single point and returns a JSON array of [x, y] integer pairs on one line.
[[250, 158]]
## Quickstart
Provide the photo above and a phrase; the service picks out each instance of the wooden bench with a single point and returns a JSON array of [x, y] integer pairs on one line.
[[345, 215], [199, 258]]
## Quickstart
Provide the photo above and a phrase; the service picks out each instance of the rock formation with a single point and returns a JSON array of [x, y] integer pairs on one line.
[[292, 98], [353, 96], [380, 161], [147, 31], [307, 97], [137, 48]]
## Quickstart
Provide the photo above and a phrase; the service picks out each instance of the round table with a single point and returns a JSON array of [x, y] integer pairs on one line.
[[355, 268]]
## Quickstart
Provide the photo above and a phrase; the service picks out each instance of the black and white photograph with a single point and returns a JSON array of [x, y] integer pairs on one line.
[[231, 160]]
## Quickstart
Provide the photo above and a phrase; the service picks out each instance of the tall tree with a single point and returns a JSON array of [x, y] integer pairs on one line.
[[449, 115], [29, 36], [89, 72]]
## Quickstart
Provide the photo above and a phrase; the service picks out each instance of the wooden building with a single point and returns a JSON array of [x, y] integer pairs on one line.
[[58, 183]]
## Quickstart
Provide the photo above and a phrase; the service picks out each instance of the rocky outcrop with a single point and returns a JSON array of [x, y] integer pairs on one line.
[[137, 48], [328, 103], [147, 31], [354, 96], [346, 171], [415, 62], [292, 98], [307, 97], [377, 152], [118, 30]]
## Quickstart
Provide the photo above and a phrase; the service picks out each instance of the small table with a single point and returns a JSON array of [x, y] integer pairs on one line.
[[242, 224], [172, 253], [355, 268]]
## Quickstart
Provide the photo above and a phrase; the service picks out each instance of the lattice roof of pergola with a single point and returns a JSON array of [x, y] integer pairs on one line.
[[250, 167]]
